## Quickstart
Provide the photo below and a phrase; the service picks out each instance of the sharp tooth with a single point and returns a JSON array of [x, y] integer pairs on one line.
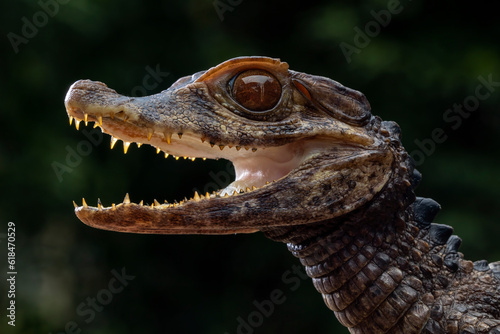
[[185, 158], [254, 187], [230, 146], [126, 144], [126, 200], [248, 189], [247, 148], [96, 125], [193, 159], [84, 204], [70, 120], [212, 144], [86, 119], [207, 195], [125, 118], [180, 135], [204, 159], [166, 155], [202, 139], [158, 150], [150, 134], [113, 206], [254, 149], [235, 192], [113, 141], [176, 158], [196, 196], [75, 204], [99, 205], [112, 116], [99, 119], [221, 147], [152, 205], [139, 145], [141, 202], [77, 124], [157, 203], [168, 137], [238, 148]]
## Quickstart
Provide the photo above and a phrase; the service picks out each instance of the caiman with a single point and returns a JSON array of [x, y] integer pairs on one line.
[[315, 170]]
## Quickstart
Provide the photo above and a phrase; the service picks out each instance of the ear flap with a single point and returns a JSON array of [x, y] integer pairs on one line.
[[328, 95]]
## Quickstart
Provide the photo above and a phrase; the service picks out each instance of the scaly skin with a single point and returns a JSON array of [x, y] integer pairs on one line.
[[314, 169]]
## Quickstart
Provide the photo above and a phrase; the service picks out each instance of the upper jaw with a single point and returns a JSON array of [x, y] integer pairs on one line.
[[188, 110], [160, 121]]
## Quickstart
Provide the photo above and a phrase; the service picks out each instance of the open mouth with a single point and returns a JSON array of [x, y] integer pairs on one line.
[[255, 167], [287, 159]]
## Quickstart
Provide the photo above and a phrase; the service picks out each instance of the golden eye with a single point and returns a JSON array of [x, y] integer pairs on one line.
[[256, 90]]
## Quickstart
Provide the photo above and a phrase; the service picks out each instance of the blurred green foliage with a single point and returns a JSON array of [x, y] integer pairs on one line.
[[428, 57]]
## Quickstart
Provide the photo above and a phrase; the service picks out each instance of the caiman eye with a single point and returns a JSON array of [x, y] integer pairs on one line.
[[256, 90]]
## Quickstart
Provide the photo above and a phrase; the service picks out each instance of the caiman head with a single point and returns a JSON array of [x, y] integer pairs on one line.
[[305, 148]]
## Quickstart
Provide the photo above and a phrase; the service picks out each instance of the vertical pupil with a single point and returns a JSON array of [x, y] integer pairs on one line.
[[256, 90]]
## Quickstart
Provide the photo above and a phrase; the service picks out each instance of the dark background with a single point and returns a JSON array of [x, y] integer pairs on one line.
[[426, 59]]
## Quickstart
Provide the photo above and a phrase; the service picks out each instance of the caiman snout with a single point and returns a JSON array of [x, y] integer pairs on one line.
[[93, 97]]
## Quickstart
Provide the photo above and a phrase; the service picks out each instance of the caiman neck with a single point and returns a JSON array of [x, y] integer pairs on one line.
[[382, 273], [366, 264], [362, 269]]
